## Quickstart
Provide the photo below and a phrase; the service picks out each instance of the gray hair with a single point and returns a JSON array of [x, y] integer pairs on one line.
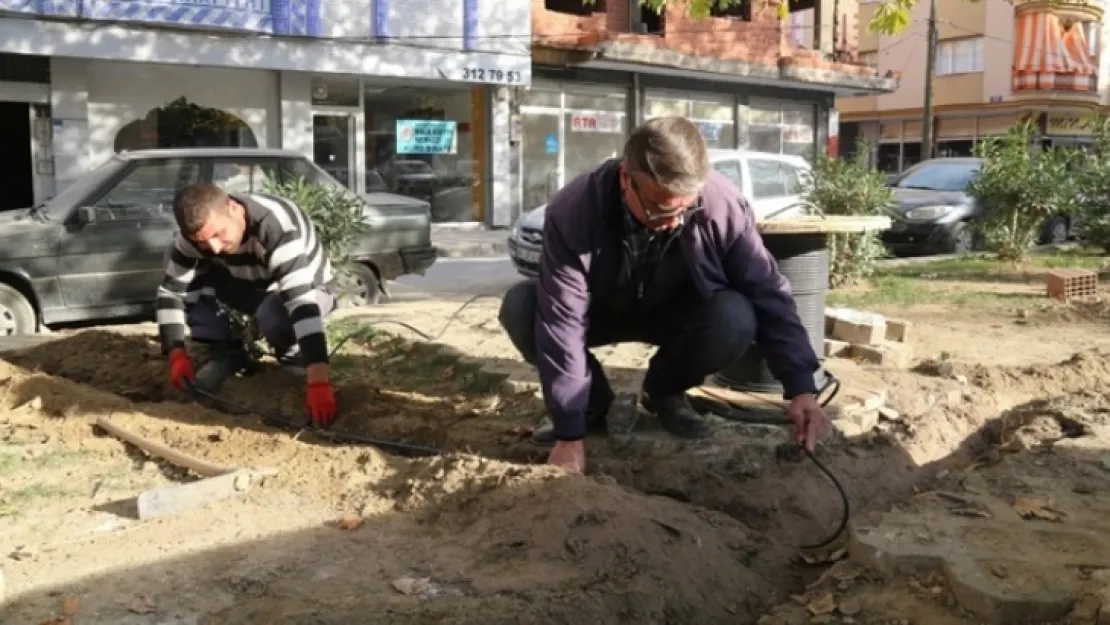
[[672, 152]]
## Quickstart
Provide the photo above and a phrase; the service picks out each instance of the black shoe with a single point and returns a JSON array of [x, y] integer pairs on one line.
[[544, 434], [226, 360], [677, 416]]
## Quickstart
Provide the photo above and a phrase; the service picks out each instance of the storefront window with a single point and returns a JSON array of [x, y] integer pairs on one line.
[[782, 128], [183, 124], [428, 144], [596, 127], [566, 133], [716, 120]]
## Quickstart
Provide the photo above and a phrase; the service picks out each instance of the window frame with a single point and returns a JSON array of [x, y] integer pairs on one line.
[[953, 51], [91, 200]]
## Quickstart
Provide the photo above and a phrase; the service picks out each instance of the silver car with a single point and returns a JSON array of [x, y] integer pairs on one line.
[[771, 182]]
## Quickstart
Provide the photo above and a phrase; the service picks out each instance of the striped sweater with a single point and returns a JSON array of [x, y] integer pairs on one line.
[[280, 250]]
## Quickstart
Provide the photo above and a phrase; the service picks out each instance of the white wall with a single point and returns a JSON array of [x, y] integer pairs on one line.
[[119, 93], [69, 99], [296, 112]]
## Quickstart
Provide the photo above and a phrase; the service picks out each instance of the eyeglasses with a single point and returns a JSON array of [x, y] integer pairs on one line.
[[654, 212]]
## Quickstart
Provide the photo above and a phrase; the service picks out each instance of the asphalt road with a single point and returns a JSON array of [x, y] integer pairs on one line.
[[457, 277]]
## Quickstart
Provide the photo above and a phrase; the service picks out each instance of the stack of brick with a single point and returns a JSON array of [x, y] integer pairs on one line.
[[867, 337]]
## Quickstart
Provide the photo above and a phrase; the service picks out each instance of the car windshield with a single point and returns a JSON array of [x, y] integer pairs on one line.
[[939, 177], [58, 207]]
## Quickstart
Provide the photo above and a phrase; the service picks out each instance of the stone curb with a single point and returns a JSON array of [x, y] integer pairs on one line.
[[483, 249]]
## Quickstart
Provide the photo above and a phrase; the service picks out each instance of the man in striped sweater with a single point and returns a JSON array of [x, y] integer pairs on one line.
[[259, 255]]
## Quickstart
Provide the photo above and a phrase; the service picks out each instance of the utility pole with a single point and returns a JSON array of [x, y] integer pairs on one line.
[[930, 69]]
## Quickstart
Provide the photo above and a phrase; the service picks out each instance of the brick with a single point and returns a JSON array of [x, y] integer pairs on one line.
[[892, 355], [837, 349], [860, 330], [898, 330]]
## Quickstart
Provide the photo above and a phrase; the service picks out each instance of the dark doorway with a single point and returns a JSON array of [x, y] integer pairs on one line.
[[16, 168]]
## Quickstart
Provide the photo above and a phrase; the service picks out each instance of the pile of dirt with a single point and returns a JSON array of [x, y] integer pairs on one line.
[[515, 539], [538, 546]]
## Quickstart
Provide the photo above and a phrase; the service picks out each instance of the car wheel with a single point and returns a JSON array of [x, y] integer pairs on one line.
[[1055, 231], [960, 239], [17, 316], [358, 286]]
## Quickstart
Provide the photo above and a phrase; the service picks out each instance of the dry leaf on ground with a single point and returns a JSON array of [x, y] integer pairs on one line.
[[1034, 509], [825, 604], [350, 522]]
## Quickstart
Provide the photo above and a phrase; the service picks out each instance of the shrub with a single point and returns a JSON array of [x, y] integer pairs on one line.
[[1020, 186], [1094, 193], [850, 187], [337, 213]]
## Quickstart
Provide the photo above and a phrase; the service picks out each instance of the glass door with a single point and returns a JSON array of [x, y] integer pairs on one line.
[[333, 146], [542, 152]]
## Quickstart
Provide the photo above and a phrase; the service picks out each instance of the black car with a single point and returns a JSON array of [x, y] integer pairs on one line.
[[934, 214], [96, 250]]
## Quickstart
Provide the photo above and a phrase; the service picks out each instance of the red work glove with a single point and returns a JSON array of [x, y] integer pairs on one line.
[[320, 400], [181, 369]]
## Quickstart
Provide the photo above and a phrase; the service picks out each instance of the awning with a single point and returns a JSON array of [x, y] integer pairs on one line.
[[1049, 58]]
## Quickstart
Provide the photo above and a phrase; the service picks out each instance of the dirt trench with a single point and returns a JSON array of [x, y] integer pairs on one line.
[[662, 532]]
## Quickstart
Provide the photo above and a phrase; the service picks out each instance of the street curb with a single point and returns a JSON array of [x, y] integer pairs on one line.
[[472, 250]]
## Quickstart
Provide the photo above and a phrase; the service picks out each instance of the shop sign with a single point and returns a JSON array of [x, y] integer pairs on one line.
[[488, 75], [1070, 124], [273, 17], [424, 136], [609, 123]]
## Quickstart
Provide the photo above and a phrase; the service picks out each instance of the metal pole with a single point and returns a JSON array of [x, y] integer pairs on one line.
[[930, 69]]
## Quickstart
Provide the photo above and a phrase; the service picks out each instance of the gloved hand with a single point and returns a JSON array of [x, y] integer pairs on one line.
[[181, 369], [320, 400]]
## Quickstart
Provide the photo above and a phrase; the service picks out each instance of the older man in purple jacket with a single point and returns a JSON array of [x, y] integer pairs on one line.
[[654, 247]]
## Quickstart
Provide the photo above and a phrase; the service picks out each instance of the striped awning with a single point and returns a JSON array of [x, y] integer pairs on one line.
[[1049, 58]]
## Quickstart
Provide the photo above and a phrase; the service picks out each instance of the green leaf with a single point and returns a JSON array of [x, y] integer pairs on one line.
[[892, 17]]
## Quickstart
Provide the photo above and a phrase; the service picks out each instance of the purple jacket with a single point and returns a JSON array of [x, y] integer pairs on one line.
[[581, 256]]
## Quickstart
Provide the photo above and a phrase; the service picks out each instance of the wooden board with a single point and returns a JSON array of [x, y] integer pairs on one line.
[[199, 466], [832, 224]]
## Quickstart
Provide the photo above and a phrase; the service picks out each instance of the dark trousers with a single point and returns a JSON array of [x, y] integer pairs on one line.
[[266, 308], [695, 337]]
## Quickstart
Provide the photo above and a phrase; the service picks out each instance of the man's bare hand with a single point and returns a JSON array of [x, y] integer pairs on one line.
[[809, 419], [570, 455]]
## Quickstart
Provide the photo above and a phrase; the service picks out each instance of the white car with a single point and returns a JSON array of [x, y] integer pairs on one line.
[[773, 184]]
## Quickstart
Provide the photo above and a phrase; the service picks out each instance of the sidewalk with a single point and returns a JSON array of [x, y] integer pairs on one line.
[[466, 241]]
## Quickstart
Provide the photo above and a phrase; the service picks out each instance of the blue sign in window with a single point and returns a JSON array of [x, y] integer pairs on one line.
[[427, 136]]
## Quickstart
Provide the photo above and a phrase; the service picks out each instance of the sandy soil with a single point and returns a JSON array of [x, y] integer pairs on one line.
[[660, 532]]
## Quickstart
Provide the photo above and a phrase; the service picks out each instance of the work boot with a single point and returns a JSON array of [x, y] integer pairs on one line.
[[677, 416], [544, 434], [226, 359], [291, 361]]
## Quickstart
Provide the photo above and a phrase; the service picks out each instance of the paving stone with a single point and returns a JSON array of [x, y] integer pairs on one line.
[[1001, 588]]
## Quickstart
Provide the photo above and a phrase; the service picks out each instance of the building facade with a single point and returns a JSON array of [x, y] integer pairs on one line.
[[749, 79], [997, 62], [379, 99]]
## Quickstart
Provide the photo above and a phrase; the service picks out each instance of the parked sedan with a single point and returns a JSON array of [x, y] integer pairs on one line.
[[772, 182], [935, 214], [95, 251]]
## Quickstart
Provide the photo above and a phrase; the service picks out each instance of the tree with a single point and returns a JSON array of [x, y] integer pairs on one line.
[[891, 17]]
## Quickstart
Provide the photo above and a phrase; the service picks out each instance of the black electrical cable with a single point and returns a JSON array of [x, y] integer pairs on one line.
[[722, 408]]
